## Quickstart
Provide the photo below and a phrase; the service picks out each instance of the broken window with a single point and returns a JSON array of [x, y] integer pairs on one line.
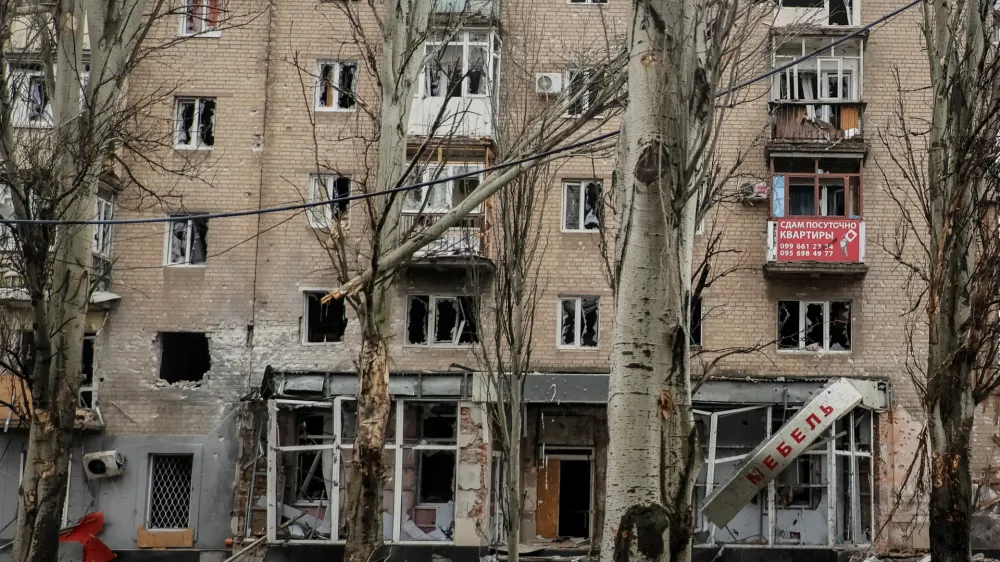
[[442, 197], [565, 493], [101, 274], [187, 242], [579, 322], [814, 326], [169, 499], [459, 68], [582, 205], [336, 85], [194, 126], [32, 106], [313, 468], [325, 323], [429, 460], [853, 448], [201, 17], [184, 356], [588, 1], [440, 320], [87, 396], [582, 89], [326, 187], [695, 335]]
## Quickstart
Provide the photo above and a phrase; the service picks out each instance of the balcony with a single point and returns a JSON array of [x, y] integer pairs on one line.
[[461, 246], [818, 13], [800, 120], [816, 227], [467, 10]]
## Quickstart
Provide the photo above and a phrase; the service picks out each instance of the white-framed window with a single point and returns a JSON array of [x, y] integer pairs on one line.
[[325, 187], [582, 203], [581, 89], [324, 323], [463, 67], [194, 126], [87, 396], [435, 320], [579, 322], [441, 197], [814, 326], [103, 238], [336, 85], [168, 504], [200, 18], [587, 1], [32, 105], [821, 12], [187, 242]]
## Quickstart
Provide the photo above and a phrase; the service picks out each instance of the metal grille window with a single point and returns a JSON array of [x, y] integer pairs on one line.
[[169, 505]]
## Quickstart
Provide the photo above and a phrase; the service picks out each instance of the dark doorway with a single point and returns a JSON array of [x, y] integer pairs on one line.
[[574, 498]]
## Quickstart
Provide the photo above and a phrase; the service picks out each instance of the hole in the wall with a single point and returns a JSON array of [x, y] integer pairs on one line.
[[184, 356], [325, 323]]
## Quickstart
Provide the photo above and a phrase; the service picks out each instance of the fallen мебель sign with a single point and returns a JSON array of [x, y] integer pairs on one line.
[[774, 455], [815, 239]]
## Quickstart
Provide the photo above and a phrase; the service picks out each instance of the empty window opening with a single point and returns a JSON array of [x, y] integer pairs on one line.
[[195, 123], [582, 90], [336, 87], [200, 17], [188, 242], [184, 356], [103, 236], [441, 320], [814, 326], [325, 323], [313, 468], [88, 387], [169, 491], [582, 205], [436, 472], [801, 484], [695, 335], [327, 187], [579, 322], [428, 423], [460, 68]]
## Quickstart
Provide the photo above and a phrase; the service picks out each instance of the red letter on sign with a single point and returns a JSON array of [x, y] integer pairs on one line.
[[755, 476], [797, 435], [827, 410], [813, 420], [784, 449], [770, 462]]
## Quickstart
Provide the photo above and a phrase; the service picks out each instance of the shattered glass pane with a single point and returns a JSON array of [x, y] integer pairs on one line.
[[326, 88], [591, 308], [345, 97], [37, 98], [477, 70], [206, 123], [572, 212], [178, 241], [568, 322], [445, 320], [840, 326], [788, 324], [813, 329], [416, 320], [470, 333], [185, 122], [577, 82], [342, 190], [592, 206]]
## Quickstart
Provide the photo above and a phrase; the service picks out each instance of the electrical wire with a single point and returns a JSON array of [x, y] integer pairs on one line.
[[501, 166]]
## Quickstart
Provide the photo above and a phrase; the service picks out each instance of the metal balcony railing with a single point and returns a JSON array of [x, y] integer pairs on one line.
[[468, 239]]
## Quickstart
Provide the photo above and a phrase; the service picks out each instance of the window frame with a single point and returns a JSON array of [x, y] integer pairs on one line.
[[462, 39], [20, 76], [429, 173], [819, 196], [827, 322], [585, 102], [581, 183], [587, 2], [195, 133], [336, 64], [432, 299], [304, 295], [189, 241], [578, 335], [326, 212], [200, 21]]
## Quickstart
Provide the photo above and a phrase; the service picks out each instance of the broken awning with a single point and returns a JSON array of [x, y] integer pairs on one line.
[[771, 457]]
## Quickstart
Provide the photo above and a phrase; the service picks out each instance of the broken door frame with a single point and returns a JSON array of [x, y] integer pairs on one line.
[[333, 506], [832, 475], [590, 458]]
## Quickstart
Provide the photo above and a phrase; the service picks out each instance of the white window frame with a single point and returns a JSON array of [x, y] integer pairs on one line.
[[815, 65], [322, 216], [19, 78], [188, 240], [577, 339], [149, 492], [827, 320], [581, 184], [463, 39], [430, 173], [340, 444], [587, 2], [585, 101], [201, 20], [92, 387], [304, 293], [104, 233], [195, 133], [336, 64], [432, 300]]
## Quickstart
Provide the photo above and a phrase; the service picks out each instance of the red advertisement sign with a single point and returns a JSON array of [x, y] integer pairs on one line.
[[819, 239]]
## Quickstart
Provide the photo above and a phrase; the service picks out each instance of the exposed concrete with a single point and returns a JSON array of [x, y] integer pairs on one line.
[[473, 476]]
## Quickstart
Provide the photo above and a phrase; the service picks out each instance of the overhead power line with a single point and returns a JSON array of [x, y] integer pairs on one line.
[[501, 166]]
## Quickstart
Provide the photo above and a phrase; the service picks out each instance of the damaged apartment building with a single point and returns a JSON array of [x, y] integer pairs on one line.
[[220, 393]]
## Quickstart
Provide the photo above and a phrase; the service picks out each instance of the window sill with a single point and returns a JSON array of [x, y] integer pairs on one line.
[[183, 148], [202, 35], [323, 343], [185, 265], [577, 348], [806, 352], [333, 110], [461, 346], [581, 231]]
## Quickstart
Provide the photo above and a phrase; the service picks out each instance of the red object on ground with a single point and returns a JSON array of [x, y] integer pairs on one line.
[[85, 532]]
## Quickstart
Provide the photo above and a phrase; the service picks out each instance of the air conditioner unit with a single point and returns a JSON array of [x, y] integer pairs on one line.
[[548, 83], [105, 464], [753, 192]]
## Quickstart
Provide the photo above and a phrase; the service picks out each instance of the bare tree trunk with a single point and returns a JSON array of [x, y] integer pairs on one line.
[[653, 453], [514, 471]]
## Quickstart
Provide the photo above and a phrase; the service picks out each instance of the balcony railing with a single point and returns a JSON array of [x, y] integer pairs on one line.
[[471, 8], [466, 240], [816, 245], [817, 120]]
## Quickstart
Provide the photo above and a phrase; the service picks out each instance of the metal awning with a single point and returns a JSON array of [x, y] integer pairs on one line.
[[771, 457]]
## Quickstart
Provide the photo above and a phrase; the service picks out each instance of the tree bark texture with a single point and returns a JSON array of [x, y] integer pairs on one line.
[[653, 452]]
